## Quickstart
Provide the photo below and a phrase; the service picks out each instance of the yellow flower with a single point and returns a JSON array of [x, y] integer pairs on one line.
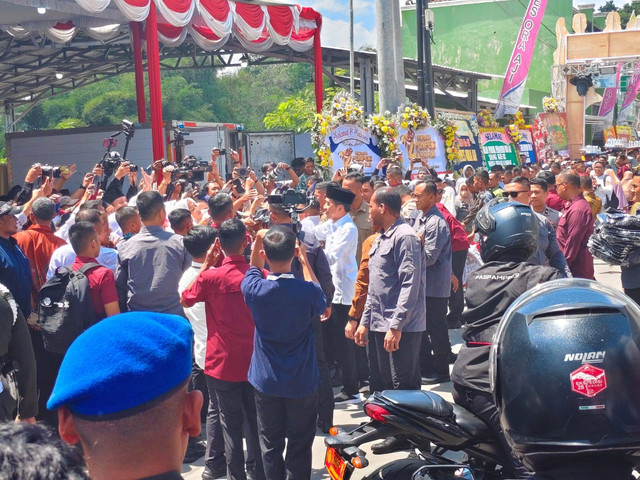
[[413, 122], [405, 115], [392, 146], [323, 130], [449, 143], [384, 128], [449, 150], [407, 109]]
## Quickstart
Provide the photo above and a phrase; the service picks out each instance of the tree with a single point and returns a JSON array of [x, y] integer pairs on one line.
[[294, 113], [608, 7]]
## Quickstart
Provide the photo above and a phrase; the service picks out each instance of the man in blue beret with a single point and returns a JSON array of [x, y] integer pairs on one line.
[[122, 394]]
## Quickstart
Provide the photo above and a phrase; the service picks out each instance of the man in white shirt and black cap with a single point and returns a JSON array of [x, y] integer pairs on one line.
[[340, 248]]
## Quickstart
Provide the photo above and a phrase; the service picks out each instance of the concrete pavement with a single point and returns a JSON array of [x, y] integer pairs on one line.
[[347, 416]]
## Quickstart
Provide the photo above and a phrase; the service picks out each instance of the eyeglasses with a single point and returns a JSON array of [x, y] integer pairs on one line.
[[560, 184], [513, 194]]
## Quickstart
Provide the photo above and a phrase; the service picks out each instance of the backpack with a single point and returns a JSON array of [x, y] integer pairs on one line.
[[64, 308]]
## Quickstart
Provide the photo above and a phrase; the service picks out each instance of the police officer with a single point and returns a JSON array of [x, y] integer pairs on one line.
[[125, 400], [508, 238]]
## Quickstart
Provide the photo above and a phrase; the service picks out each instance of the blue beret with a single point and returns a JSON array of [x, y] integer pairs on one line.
[[120, 365]]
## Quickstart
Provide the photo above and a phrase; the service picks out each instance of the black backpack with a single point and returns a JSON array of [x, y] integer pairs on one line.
[[64, 308]]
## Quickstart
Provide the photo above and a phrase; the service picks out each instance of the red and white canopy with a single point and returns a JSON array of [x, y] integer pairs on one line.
[[257, 26]]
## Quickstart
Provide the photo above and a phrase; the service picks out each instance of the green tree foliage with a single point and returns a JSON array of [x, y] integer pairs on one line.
[[232, 95], [608, 7], [294, 113], [625, 12]]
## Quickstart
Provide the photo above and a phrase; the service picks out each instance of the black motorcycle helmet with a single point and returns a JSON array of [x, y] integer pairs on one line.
[[507, 229], [565, 375]]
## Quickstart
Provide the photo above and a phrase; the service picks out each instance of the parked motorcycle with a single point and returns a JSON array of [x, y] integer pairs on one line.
[[424, 418]]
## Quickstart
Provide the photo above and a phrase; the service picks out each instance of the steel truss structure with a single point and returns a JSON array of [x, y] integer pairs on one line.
[[32, 69]]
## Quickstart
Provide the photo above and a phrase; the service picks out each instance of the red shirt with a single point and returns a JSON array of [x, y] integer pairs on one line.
[[554, 201], [459, 240], [574, 229], [620, 171], [230, 325], [102, 285], [38, 243]]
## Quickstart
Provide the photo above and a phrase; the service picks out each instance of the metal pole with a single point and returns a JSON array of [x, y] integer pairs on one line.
[[397, 50], [430, 101], [352, 57], [420, 60], [386, 58]]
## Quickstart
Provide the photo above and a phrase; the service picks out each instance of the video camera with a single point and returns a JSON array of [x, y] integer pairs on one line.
[[289, 201], [273, 174], [112, 160], [193, 168]]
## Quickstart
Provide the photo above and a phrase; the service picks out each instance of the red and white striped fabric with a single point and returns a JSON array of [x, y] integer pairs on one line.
[[209, 22]]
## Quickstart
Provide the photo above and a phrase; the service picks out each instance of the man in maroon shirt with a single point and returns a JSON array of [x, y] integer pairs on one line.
[[459, 249], [230, 330], [102, 284], [575, 226], [553, 198], [622, 166]]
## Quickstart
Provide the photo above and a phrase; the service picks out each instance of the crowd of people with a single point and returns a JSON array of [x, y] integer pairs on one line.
[[264, 292]]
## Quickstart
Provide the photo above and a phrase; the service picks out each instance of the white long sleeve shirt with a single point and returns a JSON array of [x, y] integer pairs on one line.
[[340, 249]]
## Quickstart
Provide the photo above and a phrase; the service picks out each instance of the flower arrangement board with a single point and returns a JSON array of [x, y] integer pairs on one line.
[[497, 147], [467, 134], [354, 146], [555, 126], [526, 145], [423, 143]]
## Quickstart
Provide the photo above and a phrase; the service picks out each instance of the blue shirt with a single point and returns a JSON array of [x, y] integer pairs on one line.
[[436, 240], [15, 273], [283, 363]]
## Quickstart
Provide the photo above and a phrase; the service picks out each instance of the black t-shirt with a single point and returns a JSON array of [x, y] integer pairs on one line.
[[491, 290]]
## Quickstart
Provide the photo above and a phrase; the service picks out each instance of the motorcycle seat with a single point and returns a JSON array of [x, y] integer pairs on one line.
[[419, 400], [471, 424]]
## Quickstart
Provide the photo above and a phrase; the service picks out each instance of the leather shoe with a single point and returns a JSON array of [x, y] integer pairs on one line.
[[435, 379], [213, 474], [391, 444]]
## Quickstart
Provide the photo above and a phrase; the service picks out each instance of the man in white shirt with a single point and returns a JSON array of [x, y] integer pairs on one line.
[[197, 242], [64, 256], [340, 248]]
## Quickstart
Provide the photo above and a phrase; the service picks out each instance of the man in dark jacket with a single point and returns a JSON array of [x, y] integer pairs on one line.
[[509, 237], [17, 363]]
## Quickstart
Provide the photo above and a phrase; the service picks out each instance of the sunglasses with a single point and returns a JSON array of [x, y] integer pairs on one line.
[[513, 194]]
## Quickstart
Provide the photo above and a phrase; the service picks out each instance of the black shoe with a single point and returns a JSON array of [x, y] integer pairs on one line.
[[435, 379], [195, 450], [344, 397], [391, 444], [452, 357], [212, 474]]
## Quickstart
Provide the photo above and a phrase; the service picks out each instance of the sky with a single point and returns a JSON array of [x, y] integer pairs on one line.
[[335, 25]]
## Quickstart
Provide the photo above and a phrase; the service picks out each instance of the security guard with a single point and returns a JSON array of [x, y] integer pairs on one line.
[[122, 394]]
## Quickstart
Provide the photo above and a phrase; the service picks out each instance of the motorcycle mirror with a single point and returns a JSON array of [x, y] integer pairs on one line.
[[443, 472]]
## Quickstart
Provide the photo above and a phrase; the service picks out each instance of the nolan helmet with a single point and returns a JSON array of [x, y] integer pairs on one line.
[[508, 231], [565, 374]]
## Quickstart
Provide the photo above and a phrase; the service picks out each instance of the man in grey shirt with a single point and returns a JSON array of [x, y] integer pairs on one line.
[[434, 233], [394, 312], [549, 253], [151, 263]]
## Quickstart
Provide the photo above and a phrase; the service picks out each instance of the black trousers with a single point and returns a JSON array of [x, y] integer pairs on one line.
[[235, 401], [199, 382], [325, 391], [47, 368], [346, 350], [456, 299], [214, 457], [481, 404], [286, 419], [399, 370], [434, 354], [633, 293]]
